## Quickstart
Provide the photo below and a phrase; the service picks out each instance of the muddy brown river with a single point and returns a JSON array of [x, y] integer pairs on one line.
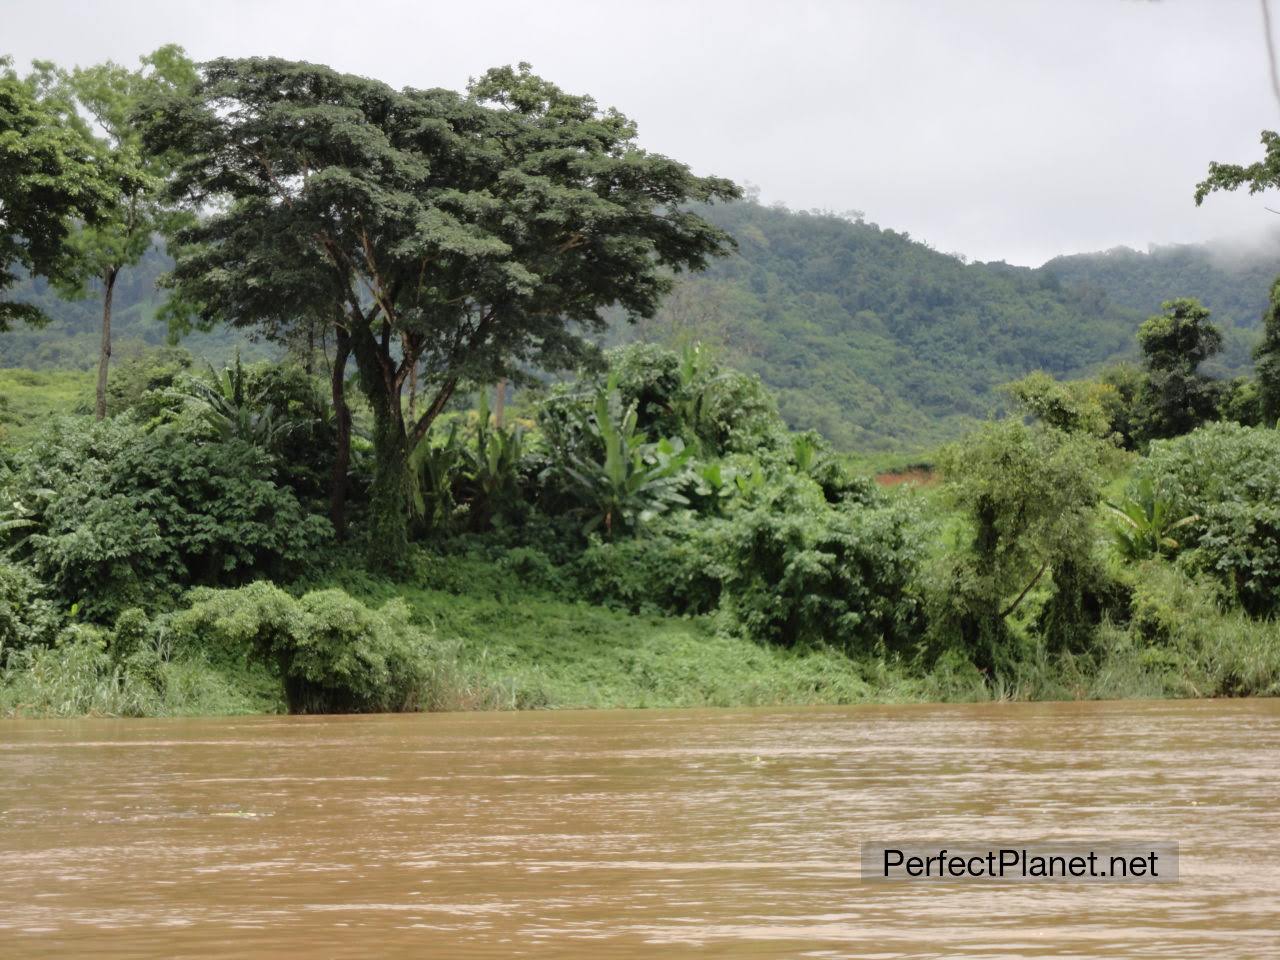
[[632, 833]]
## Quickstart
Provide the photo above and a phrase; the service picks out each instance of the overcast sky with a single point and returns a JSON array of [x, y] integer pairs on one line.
[[1002, 129]]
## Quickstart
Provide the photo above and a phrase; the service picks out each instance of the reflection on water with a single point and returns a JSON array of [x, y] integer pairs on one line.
[[631, 833]]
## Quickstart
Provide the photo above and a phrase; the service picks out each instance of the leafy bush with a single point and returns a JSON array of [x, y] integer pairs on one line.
[[1229, 476], [668, 569], [1181, 632], [27, 616], [714, 410], [800, 571], [137, 386], [333, 653], [124, 672], [1028, 496], [118, 516]]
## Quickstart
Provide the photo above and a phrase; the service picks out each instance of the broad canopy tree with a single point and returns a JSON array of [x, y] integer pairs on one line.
[[449, 236], [50, 177]]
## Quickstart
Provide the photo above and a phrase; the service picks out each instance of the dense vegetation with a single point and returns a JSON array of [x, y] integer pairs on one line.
[[866, 335], [288, 534]]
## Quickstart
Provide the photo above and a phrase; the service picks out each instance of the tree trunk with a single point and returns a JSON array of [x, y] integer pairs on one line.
[[413, 390], [390, 493], [342, 451], [500, 403], [104, 355]]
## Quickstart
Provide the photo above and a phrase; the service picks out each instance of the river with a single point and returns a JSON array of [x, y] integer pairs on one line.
[[731, 833]]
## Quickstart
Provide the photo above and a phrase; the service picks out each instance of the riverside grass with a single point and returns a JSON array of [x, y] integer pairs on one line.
[[521, 649]]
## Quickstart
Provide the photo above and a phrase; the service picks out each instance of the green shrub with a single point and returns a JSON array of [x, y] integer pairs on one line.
[[27, 616], [126, 672], [333, 653], [1229, 476], [1181, 633], [117, 516], [715, 410], [800, 571], [666, 570]]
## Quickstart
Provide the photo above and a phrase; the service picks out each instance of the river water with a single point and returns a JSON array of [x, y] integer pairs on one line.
[[632, 833]]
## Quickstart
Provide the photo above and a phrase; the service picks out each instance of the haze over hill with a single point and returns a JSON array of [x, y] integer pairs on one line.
[[874, 339]]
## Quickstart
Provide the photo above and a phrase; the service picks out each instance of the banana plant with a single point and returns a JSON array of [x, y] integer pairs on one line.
[[432, 468], [636, 480], [1143, 525], [226, 404], [494, 465]]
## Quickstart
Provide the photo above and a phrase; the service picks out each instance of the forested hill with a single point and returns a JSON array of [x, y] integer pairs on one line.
[[879, 341], [875, 339], [1231, 283], [71, 340]]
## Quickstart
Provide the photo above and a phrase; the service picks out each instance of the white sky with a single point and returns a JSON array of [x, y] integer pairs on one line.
[[1002, 129]]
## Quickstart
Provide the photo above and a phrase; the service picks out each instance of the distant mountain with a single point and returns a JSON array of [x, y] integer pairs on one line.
[[72, 340], [881, 342], [1232, 283], [873, 338]]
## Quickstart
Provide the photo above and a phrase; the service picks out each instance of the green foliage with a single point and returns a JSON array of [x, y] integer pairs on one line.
[[812, 457], [1241, 400], [1259, 176], [493, 469], [434, 469], [1229, 477], [138, 388], [50, 176], [1028, 497], [333, 653], [123, 517], [799, 571], [1144, 524], [1181, 634], [1231, 280], [1122, 402], [540, 652], [876, 340], [27, 616], [487, 227], [668, 570], [1074, 407], [1267, 361], [127, 671], [635, 480], [1177, 397], [274, 407], [29, 400]]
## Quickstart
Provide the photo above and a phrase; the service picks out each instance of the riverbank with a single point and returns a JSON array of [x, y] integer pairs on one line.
[[493, 644]]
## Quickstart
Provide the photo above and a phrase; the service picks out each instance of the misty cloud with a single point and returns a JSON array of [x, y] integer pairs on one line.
[[1002, 130]]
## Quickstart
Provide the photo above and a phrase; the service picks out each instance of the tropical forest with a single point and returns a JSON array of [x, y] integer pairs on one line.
[[322, 395]]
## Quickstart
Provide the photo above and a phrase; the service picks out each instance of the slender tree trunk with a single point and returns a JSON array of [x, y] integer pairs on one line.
[[413, 390], [342, 451], [500, 403], [309, 362], [104, 355]]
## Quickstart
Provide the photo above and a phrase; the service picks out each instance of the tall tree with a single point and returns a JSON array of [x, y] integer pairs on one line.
[[1177, 398], [1266, 357], [102, 100], [458, 235], [50, 176], [1258, 177]]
